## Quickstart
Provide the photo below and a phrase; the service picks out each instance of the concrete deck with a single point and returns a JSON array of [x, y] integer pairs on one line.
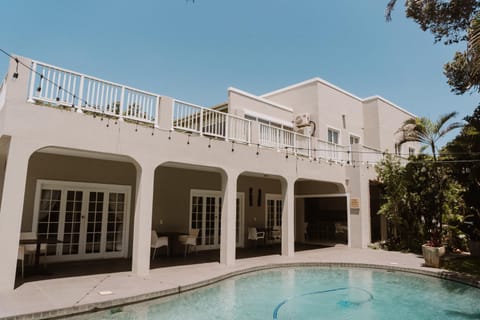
[[60, 297]]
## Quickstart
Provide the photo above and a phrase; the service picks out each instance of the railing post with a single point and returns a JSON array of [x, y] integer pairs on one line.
[[295, 143], [80, 94], [32, 82], [227, 126], [122, 102], [157, 107], [249, 132], [200, 130]]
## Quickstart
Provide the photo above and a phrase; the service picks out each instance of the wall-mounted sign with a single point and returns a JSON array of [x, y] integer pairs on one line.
[[354, 203]]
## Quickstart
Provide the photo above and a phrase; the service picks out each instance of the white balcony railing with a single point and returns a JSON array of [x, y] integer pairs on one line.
[[278, 138], [332, 152], [196, 119], [60, 87]]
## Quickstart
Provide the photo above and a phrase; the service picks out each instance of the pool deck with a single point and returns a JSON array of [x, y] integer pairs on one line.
[[64, 296]]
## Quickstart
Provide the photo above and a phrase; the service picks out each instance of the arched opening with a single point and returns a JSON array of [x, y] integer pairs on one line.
[[187, 200], [321, 214], [81, 204]]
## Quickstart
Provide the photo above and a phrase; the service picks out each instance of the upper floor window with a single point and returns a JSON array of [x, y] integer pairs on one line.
[[333, 136], [354, 139], [411, 151], [269, 122], [398, 149]]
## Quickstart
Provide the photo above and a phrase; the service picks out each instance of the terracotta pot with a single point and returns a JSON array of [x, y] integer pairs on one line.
[[432, 255], [474, 248]]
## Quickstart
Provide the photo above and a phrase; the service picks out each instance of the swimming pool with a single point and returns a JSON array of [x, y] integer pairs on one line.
[[313, 293]]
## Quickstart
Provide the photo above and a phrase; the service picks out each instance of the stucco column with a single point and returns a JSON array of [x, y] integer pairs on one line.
[[143, 220], [288, 218], [228, 219], [11, 211]]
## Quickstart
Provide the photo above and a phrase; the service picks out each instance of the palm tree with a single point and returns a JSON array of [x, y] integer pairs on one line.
[[428, 132]]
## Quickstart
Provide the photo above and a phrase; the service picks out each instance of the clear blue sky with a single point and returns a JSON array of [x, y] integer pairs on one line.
[[195, 51]]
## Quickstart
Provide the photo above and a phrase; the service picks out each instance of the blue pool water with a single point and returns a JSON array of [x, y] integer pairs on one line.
[[313, 293]]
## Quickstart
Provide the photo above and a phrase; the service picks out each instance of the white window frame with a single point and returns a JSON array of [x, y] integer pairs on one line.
[[275, 197], [217, 194], [398, 149], [85, 187], [352, 135], [338, 133]]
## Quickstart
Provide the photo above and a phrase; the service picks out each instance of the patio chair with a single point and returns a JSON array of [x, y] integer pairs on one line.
[[254, 235], [189, 240], [31, 249], [157, 242], [276, 234]]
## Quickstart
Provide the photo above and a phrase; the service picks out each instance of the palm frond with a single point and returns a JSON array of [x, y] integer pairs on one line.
[[389, 10], [450, 127], [444, 118]]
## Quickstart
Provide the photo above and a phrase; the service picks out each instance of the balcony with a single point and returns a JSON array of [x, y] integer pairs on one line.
[[56, 87]]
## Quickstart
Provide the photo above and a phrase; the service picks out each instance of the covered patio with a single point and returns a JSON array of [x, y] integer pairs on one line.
[[105, 266]]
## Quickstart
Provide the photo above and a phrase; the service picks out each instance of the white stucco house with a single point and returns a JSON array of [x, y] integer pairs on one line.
[[98, 165]]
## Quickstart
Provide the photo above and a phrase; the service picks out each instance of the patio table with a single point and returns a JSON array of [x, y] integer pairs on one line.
[[38, 242]]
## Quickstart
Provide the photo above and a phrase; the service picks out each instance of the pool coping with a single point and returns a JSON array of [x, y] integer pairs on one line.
[[119, 302]]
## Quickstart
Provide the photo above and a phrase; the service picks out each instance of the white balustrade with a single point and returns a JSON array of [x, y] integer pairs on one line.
[[60, 87], [239, 129], [196, 119], [332, 152], [278, 138]]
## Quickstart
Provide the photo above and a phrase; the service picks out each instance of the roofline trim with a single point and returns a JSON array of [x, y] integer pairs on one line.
[[311, 81], [377, 97], [260, 99]]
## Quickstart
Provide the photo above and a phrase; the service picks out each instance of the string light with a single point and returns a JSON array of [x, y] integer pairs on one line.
[[84, 103]]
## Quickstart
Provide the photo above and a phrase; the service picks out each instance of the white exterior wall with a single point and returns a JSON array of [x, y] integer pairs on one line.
[[29, 128]]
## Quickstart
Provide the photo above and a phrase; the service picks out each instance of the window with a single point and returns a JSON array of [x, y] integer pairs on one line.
[[411, 151], [269, 122], [333, 136], [354, 139], [398, 149]]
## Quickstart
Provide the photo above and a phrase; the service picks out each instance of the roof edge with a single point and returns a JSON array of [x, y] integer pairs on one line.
[[311, 81], [377, 97], [261, 99]]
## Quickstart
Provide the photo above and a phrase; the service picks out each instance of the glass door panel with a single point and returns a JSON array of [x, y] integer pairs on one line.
[[73, 219], [49, 216], [210, 225], [115, 223], [94, 222]]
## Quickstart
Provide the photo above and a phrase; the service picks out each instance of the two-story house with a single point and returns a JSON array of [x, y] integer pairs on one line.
[[97, 165]]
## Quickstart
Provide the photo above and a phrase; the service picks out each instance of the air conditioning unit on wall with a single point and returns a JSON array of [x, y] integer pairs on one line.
[[302, 120]]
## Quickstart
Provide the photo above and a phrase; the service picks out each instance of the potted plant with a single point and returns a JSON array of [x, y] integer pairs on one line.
[[433, 249]]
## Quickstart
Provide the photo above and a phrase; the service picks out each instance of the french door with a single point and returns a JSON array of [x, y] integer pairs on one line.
[[274, 207], [91, 220], [206, 214]]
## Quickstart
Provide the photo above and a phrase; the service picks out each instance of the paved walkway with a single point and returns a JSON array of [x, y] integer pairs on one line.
[[53, 298]]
